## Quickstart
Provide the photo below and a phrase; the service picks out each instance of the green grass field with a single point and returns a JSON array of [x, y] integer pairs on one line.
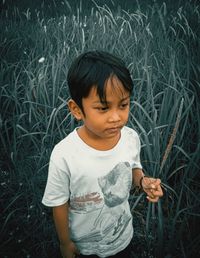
[[160, 43]]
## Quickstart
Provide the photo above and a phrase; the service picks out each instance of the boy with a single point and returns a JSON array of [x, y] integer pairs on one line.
[[91, 170]]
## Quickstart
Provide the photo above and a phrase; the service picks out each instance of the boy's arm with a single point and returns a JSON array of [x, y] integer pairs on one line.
[[151, 186], [137, 174], [60, 215]]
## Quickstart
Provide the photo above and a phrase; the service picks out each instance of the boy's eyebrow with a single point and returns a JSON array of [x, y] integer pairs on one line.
[[107, 102], [125, 98]]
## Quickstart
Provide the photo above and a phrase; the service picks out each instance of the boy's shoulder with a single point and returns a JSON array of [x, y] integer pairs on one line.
[[130, 131], [65, 145]]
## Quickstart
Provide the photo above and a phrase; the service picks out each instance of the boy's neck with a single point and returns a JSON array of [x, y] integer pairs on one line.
[[101, 144]]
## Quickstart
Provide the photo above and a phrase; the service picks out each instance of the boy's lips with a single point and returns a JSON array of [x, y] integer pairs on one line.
[[114, 129]]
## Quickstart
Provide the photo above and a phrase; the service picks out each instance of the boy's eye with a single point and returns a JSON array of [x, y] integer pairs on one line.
[[124, 105], [102, 108]]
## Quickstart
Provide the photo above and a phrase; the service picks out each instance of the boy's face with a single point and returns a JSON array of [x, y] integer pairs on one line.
[[105, 120]]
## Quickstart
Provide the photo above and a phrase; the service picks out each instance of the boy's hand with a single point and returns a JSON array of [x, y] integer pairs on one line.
[[151, 186], [69, 250]]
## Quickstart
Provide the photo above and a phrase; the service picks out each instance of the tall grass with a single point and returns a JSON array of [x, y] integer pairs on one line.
[[160, 45]]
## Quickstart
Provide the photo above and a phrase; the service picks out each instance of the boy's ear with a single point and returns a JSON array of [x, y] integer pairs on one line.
[[75, 109]]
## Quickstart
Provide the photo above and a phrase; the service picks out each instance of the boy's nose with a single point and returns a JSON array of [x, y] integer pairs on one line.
[[114, 117]]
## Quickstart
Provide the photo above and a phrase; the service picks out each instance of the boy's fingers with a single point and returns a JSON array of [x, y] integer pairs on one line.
[[154, 194], [158, 192], [152, 186], [151, 182], [154, 199], [158, 181], [155, 183]]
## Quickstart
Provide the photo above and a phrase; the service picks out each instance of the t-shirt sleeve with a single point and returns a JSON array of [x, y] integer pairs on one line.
[[136, 160], [57, 187]]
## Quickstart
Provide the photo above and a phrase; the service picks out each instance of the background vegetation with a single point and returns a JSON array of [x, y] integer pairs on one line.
[[159, 42]]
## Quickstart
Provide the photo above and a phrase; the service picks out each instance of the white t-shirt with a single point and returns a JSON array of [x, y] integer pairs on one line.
[[96, 184]]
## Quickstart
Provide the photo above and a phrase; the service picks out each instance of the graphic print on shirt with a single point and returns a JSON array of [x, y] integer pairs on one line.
[[111, 217], [116, 185], [86, 203]]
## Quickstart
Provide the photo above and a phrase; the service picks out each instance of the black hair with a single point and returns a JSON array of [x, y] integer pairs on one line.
[[94, 68]]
